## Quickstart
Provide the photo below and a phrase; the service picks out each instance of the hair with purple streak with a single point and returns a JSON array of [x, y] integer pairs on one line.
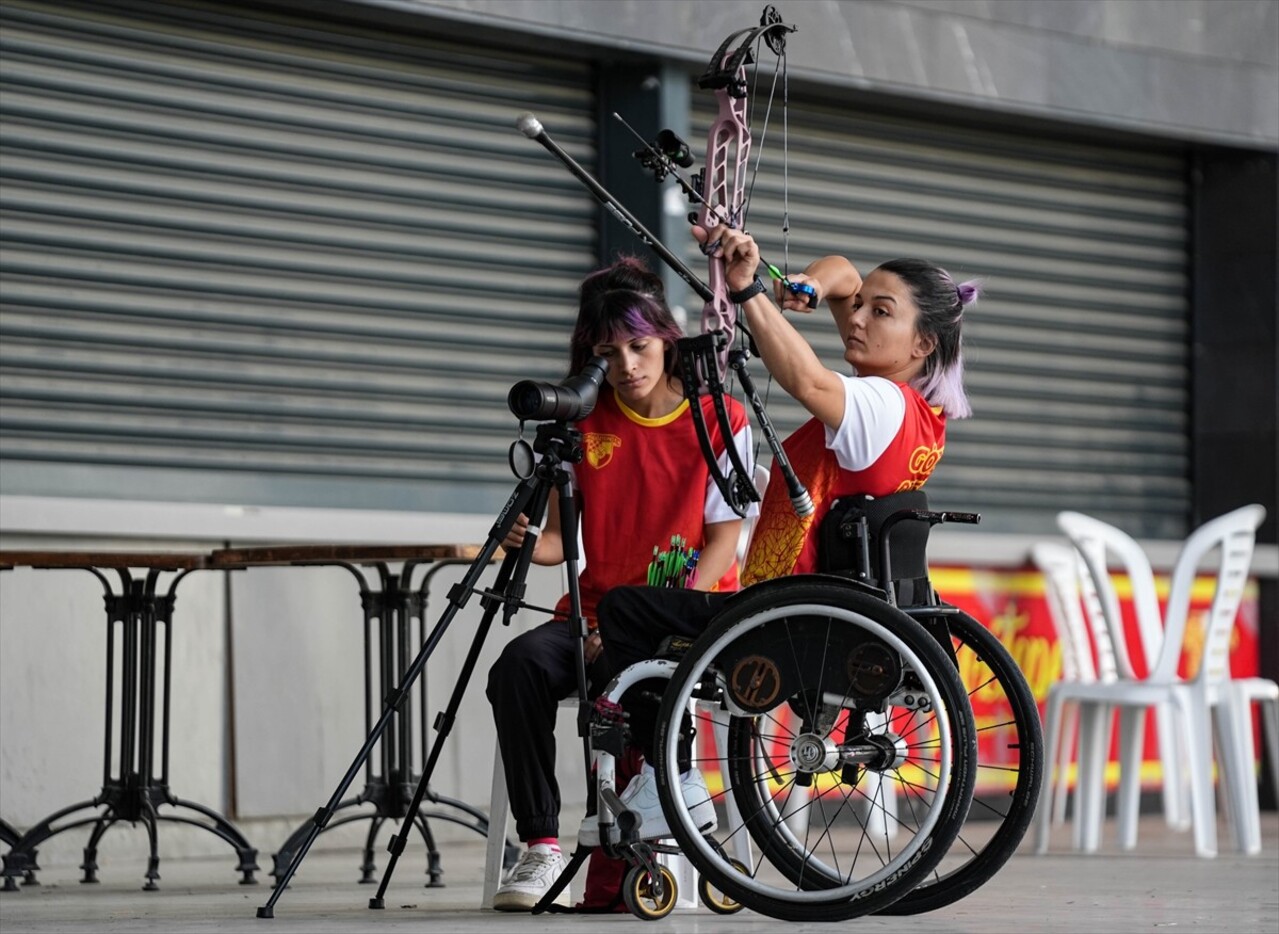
[[619, 302], [941, 302]]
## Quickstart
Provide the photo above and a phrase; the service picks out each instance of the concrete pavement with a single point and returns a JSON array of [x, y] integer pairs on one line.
[[1160, 885]]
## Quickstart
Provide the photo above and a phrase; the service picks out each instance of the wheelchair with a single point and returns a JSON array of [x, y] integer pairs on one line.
[[846, 743]]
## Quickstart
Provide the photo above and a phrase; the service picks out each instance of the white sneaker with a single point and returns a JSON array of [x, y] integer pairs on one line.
[[530, 878], [640, 796]]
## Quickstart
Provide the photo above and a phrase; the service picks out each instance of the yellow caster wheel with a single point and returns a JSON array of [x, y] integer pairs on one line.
[[649, 897], [720, 902]]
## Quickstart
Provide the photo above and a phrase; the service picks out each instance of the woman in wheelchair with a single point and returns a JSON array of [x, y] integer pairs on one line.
[[640, 447], [878, 431]]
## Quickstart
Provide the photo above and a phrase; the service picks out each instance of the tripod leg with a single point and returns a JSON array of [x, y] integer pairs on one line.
[[568, 520], [458, 596], [444, 724]]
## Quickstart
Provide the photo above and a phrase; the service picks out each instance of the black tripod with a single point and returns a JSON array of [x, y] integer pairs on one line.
[[557, 443]]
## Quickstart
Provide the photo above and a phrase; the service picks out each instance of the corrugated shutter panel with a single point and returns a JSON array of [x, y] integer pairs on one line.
[[279, 253], [1077, 355]]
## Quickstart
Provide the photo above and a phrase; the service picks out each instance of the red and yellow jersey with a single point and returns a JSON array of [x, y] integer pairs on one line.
[[642, 481], [890, 445]]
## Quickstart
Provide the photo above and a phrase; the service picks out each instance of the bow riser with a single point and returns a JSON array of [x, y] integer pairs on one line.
[[728, 141]]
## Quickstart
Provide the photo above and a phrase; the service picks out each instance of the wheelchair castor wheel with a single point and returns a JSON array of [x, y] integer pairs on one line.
[[647, 897], [720, 902]]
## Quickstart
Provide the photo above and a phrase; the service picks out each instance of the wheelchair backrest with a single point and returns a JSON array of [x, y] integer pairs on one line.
[[849, 543]]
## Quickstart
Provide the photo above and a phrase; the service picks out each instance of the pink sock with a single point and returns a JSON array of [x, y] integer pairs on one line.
[[552, 842]]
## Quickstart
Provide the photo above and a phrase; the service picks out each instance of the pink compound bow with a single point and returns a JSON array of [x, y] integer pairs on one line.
[[721, 191]]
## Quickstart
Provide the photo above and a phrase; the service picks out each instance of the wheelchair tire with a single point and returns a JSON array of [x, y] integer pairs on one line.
[[926, 741], [1009, 745]]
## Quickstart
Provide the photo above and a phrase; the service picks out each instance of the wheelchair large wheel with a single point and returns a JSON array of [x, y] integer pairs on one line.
[[1010, 753], [828, 688]]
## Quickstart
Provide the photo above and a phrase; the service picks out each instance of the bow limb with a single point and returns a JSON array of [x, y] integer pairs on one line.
[[728, 147], [723, 201]]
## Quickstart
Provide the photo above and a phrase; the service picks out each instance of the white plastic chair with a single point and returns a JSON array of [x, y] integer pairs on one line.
[[1208, 694], [1262, 691], [1059, 564], [1095, 540], [1069, 584], [1265, 692]]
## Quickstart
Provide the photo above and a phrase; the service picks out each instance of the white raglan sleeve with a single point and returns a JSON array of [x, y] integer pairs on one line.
[[874, 411]]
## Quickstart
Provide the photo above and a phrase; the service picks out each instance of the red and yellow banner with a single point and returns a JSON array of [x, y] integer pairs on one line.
[[1012, 604]]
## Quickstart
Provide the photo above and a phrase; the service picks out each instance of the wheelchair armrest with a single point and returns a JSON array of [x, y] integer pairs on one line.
[[918, 515], [968, 518]]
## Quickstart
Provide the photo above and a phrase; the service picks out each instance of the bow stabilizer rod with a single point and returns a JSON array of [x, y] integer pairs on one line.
[[531, 127]]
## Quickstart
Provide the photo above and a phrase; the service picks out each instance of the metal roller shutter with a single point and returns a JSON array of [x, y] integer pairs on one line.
[[255, 257], [1076, 356]]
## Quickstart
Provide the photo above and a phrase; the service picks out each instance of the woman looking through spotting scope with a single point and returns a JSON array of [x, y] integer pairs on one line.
[[643, 490]]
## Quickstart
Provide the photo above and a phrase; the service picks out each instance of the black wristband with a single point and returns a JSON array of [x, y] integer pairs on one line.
[[755, 288]]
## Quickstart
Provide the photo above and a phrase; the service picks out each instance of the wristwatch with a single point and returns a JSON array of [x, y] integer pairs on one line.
[[755, 288]]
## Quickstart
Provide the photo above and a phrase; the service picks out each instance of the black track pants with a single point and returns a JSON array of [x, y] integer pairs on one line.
[[534, 672]]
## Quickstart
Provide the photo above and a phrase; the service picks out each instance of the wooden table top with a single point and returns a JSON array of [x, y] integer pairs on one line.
[[155, 560], [233, 558], [238, 558]]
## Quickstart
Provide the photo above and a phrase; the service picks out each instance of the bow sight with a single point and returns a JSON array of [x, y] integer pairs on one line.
[[666, 150]]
